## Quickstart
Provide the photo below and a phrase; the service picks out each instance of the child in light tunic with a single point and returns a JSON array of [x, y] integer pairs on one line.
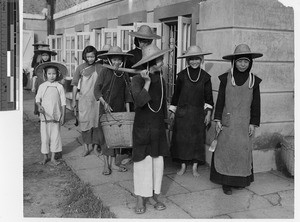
[[51, 101]]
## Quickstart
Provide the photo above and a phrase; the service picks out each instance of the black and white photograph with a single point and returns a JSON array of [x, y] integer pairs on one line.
[[148, 109]]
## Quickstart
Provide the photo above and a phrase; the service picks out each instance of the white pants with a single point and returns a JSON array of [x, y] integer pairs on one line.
[[147, 176], [50, 138]]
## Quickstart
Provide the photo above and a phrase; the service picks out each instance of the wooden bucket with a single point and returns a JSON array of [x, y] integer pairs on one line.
[[117, 128]]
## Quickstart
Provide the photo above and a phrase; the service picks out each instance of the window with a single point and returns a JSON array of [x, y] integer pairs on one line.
[[124, 40], [109, 36], [56, 44]]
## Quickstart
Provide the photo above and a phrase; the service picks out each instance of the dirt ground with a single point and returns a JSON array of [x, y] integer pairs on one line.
[[53, 191]]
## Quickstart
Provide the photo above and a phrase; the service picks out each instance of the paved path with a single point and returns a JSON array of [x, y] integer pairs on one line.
[[271, 195]]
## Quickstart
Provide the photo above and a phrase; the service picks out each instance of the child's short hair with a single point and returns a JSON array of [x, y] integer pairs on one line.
[[88, 49], [52, 67]]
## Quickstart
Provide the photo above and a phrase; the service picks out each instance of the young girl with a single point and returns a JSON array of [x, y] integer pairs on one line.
[[88, 107], [149, 131], [237, 114], [192, 90], [51, 103], [44, 55], [112, 90]]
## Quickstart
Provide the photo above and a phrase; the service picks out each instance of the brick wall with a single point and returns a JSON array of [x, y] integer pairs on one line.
[[34, 6], [65, 4]]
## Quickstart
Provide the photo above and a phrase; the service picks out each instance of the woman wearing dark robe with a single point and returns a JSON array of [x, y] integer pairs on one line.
[[192, 103], [149, 130], [237, 114], [112, 90]]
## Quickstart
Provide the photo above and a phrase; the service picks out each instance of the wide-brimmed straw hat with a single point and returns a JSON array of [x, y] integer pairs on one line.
[[193, 51], [144, 32], [242, 50], [114, 51], [104, 49], [40, 43], [62, 69], [149, 53], [45, 49]]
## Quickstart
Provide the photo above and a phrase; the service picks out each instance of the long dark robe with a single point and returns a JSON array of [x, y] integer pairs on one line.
[[149, 129], [189, 128], [240, 79]]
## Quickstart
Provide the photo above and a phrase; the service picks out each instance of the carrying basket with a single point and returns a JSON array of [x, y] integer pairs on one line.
[[117, 128], [288, 154]]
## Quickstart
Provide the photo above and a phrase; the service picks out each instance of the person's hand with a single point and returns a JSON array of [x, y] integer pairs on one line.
[[251, 129], [107, 107], [172, 116], [145, 75], [62, 120], [207, 119], [219, 126], [41, 109], [33, 90]]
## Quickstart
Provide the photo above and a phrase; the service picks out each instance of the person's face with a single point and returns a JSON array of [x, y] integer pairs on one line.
[[116, 60], [90, 57], [144, 42], [242, 64], [45, 57], [194, 62], [51, 74], [159, 62]]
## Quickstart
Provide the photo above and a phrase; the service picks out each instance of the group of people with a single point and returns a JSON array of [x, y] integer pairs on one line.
[[103, 90]]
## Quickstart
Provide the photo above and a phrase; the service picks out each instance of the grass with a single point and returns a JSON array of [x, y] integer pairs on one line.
[[82, 203]]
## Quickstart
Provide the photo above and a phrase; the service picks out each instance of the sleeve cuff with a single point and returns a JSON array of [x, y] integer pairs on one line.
[[207, 106], [172, 108]]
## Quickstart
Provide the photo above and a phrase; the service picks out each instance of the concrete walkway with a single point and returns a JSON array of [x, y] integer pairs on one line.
[[271, 195]]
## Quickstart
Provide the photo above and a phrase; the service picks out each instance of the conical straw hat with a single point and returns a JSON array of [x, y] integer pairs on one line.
[[242, 50], [149, 53]]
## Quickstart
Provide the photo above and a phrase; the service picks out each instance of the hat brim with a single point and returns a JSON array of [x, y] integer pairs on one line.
[[101, 52], [193, 55], [52, 53], [40, 44], [61, 67], [108, 54], [252, 55], [142, 36], [150, 58]]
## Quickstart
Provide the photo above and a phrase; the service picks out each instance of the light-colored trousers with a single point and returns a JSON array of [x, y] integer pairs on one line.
[[147, 176], [50, 138]]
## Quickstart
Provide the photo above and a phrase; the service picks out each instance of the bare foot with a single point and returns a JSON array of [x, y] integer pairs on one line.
[[195, 170], [195, 173], [182, 170], [54, 163], [44, 161]]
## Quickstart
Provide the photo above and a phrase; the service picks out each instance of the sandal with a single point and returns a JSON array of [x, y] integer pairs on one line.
[[122, 169], [140, 210], [159, 206], [106, 172]]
